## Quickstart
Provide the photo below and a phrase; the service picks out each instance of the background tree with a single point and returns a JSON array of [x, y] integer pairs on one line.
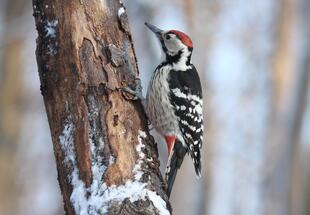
[[11, 100]]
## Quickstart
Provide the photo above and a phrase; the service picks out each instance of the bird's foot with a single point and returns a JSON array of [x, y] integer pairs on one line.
[[134, 94]]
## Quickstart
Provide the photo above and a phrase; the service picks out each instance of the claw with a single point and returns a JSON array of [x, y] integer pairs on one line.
[[137, 92]]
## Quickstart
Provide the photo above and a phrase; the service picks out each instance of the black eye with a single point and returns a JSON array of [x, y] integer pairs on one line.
[[168, 37]]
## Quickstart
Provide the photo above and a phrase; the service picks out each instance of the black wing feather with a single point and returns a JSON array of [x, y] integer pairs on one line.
[[188, 110]]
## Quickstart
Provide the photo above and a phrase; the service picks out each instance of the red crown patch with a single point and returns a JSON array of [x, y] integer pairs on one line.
[[183, 37]]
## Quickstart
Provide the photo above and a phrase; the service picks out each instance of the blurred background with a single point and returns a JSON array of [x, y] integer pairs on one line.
[[254, 62]]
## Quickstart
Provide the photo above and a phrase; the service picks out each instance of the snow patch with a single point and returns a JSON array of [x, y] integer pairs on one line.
[[121, 10], [66, 142], [137, 169], [50, 28], [96, 199], [51, 49], [158, 202]]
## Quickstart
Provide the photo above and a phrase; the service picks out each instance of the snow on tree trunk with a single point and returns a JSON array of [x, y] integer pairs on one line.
[[106, 160]]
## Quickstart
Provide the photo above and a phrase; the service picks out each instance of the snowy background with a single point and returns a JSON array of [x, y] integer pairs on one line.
[[254, 61]]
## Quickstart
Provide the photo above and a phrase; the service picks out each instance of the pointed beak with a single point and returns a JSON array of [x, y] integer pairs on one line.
[[154, 29]]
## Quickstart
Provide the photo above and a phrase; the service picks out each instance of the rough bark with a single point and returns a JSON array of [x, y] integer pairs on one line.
[[106, 160]]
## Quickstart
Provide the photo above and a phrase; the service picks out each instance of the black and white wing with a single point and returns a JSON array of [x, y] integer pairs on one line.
[[186, 97]]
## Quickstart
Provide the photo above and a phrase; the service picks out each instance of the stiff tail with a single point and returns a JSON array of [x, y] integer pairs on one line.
[[197, 162], [174, 163]]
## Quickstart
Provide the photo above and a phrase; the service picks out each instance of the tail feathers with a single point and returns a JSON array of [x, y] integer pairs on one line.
[[198, 170], [170, 181], [197, 162], [174, 163]]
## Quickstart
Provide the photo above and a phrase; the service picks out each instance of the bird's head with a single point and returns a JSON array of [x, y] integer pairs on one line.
[[173, 42]]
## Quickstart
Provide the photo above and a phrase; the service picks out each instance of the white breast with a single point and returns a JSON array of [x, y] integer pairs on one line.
[[159, 110]]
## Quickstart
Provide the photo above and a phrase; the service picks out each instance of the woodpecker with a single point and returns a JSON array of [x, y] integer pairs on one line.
[[174, 102]]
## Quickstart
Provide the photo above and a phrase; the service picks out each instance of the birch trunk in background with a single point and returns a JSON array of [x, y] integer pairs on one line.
[[278, 151], [284, 185], [11, 101], [238, 77], [106, 160]]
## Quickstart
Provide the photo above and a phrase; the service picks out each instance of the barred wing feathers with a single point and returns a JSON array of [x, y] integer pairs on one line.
[[186, 97]]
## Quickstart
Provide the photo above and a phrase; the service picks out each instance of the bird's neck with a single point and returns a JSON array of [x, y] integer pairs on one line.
[[178, 61]]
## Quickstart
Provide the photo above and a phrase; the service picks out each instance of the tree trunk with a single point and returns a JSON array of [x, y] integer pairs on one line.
[[106, 160]]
